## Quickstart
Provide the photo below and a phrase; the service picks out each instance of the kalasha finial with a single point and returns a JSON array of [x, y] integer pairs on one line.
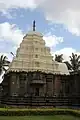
[[34, 25]]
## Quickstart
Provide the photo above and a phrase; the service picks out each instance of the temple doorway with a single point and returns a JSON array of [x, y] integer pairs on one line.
[[36, 91]]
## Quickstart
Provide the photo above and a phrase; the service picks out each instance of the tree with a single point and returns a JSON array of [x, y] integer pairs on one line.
[[59, 58], [75, 62], [3, 63]]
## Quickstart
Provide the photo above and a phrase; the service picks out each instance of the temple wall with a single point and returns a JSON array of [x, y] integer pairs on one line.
[[53, 85]]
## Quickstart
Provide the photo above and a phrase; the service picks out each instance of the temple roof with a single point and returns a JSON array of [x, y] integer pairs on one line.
[[61, 68], [34, 33], [33, 55]]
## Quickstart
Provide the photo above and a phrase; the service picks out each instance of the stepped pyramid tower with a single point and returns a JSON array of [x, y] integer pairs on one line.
[[33, 72], [32, 55]]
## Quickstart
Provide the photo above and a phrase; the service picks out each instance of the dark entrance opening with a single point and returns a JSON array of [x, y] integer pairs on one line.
[[37, 92]]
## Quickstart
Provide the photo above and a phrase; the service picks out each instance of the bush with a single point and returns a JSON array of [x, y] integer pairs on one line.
[[25, 112]]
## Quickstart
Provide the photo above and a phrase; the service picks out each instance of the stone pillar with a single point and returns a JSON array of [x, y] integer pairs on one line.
[[13, 85], [57, 85], [44, 86], [52, 85], [18, 84]]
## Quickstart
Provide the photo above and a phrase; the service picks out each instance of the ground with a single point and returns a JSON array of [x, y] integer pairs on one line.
[[56, 117]]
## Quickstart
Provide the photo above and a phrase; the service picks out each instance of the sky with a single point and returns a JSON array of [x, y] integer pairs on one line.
[[57, 20]]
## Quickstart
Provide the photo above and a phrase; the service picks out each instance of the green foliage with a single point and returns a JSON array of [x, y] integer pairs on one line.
[[3, 63], [25, 112], [59, 58], [75, 62]]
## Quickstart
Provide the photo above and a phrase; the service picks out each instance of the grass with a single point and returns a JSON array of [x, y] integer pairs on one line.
[[56, 117]]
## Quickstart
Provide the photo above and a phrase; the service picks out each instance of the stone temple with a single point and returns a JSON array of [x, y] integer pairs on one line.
[[33, 77]]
